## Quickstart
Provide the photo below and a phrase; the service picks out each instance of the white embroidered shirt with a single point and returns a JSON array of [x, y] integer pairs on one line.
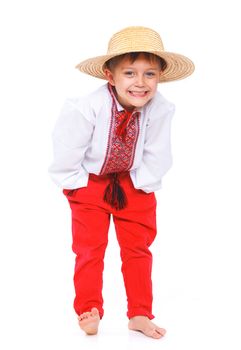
[[81, 140]]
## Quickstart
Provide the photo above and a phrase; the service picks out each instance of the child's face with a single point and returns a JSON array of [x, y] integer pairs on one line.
[[135, 83]]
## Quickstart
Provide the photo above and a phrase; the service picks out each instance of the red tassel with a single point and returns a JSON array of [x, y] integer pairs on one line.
[[114, 193], [122, 127]]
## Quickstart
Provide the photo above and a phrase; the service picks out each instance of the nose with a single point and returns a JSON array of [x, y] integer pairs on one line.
[[139, 80]]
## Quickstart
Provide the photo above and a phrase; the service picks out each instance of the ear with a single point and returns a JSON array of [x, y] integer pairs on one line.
[[109, 77], [160, 74]]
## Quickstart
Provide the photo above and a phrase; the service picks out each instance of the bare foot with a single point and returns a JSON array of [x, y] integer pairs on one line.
[[89, 321], [146, 326]]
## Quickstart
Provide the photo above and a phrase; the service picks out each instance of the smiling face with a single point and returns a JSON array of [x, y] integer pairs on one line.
[[135, 82]]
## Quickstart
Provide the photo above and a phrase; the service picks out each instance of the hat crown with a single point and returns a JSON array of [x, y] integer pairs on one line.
[[134, 39]]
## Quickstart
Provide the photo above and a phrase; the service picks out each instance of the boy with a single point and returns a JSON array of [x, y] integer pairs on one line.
[[111, 150]]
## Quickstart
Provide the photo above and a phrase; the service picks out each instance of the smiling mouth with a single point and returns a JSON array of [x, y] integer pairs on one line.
[[138, 93]]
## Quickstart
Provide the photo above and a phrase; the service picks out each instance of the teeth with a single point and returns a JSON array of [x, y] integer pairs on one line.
[[138, 93]]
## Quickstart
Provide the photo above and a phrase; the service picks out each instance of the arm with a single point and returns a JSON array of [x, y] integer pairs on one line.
[[71, 137], [157, 157]]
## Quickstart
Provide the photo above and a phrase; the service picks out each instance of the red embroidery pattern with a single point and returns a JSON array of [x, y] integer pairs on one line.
[[120, 150]]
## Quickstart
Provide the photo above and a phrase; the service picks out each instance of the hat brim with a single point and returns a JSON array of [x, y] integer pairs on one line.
[[178, 66]]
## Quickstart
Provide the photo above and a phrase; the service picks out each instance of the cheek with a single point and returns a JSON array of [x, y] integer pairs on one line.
[[121, 85], [154, 85]]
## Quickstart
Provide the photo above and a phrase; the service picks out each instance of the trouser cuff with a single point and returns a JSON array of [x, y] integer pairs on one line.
[[140, 312]]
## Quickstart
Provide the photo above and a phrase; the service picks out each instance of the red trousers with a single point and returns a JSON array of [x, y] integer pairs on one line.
[[135, 228]]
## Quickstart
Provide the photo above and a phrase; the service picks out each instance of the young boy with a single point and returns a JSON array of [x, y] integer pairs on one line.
[[111, 150]]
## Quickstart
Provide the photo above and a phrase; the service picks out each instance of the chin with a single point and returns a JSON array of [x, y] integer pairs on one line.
[[139, 105]]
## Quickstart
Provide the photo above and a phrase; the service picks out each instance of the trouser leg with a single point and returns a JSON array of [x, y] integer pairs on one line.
[[136, 230], [90, 224]]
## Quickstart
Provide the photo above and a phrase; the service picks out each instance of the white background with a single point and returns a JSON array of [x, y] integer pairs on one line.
[[196, 272]]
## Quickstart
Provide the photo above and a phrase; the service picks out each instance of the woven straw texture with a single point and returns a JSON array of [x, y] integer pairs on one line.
[[139, 39]]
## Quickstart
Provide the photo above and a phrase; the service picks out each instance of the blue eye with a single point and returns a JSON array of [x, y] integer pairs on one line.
[[150, 74], [129, 73]]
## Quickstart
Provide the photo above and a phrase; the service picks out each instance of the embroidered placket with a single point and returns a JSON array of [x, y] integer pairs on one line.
[[122, 139]]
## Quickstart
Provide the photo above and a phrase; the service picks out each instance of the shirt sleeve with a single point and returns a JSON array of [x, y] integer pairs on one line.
[[157, 156], [71, 138]]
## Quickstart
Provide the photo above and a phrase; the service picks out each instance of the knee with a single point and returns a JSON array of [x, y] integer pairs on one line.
[[139, 250], [90, 248]]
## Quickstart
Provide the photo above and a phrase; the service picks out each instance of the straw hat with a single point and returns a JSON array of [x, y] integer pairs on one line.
[[139, 39]]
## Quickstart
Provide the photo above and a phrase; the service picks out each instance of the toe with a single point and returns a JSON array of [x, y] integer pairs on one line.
[[94, 311], [156, 335], [83, 316], [161, 331]]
